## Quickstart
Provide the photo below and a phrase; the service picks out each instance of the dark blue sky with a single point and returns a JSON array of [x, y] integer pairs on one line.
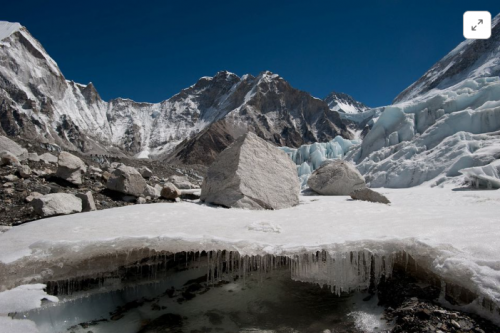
[[150, 50]]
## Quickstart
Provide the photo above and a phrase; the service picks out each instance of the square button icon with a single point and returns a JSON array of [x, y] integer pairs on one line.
[[477, 25]]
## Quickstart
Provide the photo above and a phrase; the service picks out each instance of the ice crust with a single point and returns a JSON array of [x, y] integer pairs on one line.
[[21, 299], [454, 234]]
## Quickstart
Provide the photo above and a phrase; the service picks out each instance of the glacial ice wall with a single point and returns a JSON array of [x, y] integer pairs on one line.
[[310, 157], [433, 137]]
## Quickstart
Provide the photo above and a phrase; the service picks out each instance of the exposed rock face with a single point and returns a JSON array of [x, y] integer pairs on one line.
[[70, 168], [170, 191], [88, 203], [269, 107], [7, 158], [367, 194], [127, 180], [38, 103], [336, 178], [57, 204], [252, 174], [7, 144]]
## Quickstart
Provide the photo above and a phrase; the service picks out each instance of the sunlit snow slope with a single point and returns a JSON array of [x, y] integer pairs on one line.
[[447, 121]]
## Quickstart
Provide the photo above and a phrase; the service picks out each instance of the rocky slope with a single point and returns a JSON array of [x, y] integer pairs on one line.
[[38, 103]]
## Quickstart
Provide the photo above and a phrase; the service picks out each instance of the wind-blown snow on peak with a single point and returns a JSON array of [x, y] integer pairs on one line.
[[8, 28], [344, 103], [469, 60]]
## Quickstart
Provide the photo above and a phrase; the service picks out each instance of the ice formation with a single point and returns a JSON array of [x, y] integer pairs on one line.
[[432, 137], [452, 234], [310, 157], [21, 299], [487, 176]]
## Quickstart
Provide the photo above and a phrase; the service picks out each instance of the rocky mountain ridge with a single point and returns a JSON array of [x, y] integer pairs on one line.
[[38, 103]]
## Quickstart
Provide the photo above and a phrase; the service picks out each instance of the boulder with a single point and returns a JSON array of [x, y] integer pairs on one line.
[[88, 203], [140, 201], [48, 158], [145, 172], [367, 194], [7, 158], [170, 191], [33, 157], [126, 180], [56, 204], [152, 192], [336, 177], [251, 173], [182, 182], [11, 178], [33, 195], [7, 144], [70, 168], [24, 171]]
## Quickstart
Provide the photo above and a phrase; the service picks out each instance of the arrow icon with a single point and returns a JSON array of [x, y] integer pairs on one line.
[[474, 28], [480, 21]]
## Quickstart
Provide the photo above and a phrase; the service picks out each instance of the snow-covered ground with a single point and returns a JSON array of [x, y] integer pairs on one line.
[[453, 233]]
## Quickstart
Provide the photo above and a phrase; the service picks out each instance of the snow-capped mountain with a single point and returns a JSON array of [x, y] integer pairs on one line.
[[441, 127], [344, 103], [469, 60], [38, 103]]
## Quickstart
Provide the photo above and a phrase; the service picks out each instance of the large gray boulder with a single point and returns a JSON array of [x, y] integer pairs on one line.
[[70, 168], [367, 194], [126, 180], [336, 177], [56, 204], [253, 174], [12, 147]]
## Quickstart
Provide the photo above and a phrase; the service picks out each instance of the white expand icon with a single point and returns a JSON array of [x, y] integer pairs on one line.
[[477, 25]]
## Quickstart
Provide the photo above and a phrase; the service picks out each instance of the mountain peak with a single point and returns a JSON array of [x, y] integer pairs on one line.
[[341, 102], [471, 59], [8, 28]]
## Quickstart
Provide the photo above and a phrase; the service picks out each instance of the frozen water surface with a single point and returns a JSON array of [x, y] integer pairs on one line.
[[451, 232]]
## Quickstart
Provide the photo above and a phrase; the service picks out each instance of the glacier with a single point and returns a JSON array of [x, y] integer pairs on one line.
[[310, 157], [429, 139]]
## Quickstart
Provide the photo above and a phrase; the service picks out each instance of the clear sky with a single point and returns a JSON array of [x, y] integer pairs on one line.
[[150, 50]]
